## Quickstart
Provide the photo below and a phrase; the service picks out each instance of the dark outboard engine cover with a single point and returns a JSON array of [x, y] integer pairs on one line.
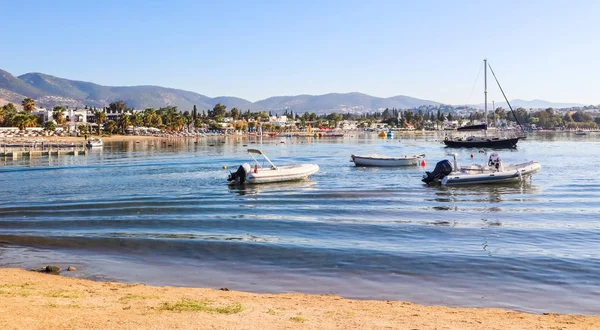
[[239, 176], [442, 169]]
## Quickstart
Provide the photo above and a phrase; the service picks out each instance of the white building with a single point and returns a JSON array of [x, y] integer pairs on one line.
[[348, 124], [279, 121]]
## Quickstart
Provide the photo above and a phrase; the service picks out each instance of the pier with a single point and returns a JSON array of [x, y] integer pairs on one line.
[[36, 149]]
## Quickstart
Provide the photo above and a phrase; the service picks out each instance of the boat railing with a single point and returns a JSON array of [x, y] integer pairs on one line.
[[253, 152]]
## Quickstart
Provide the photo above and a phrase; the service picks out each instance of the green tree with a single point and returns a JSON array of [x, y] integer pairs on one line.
[[137, 119], [173, 119], [3, 115], [500, 112], [581, 117], [335, 118], [23, 120], [219, 110], [100, 118], [10, 108], [188, 119], [58, 113], [151, 118], [117, 107], [28, 105], [110, 126], [124, 121], [49, 126], [235, 113]]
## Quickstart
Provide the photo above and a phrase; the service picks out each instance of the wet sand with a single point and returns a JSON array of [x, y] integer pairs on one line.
[[31, 300]]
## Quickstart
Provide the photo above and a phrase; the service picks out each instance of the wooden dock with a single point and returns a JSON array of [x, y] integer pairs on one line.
[[16, 151], [41, 153]]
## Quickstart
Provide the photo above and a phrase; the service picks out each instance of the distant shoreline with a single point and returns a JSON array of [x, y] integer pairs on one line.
[[165, 136]]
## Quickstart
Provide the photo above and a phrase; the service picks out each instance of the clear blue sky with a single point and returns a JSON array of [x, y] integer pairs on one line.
[[255, 49]]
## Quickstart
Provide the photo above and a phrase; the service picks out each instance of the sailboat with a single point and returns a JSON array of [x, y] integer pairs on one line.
[[484, 141]]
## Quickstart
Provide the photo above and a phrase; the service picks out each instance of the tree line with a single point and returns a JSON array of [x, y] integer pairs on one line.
[[170, 118]]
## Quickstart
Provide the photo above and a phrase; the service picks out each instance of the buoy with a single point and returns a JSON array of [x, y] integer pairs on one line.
[[423, 163], [471, 155], [224, 167]]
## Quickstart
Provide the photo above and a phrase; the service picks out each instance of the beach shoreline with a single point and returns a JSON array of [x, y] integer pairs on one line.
[[33, 300]]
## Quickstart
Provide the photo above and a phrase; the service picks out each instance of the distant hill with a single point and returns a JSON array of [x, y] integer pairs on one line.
[[49, 91], [338, 102], [533, 104], [12, 84]]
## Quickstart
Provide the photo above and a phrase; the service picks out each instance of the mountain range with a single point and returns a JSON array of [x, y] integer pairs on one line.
[[533, 104], [49, 91]]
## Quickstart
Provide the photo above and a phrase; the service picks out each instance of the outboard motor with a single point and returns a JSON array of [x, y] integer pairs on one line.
[[239, 176], [442, 169], [495, 162]]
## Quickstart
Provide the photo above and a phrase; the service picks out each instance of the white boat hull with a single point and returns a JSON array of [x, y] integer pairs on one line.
[[94, 143], [282, 173], [384, 161], [512, 173]]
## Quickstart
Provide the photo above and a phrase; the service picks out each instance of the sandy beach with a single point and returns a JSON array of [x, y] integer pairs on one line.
[[32, 300]]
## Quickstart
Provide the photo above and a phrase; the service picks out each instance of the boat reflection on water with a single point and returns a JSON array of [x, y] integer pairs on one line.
[[518, 191], [281, 188]]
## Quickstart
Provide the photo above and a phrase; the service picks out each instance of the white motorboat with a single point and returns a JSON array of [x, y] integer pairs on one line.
[[267, 172], [94, 143], [493, 172], [385, 161]]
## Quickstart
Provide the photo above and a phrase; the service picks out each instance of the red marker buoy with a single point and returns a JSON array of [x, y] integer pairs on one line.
[[471, 155], [423, 163]]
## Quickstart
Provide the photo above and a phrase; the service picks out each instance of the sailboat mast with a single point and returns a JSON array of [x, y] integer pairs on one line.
[[485, 90]]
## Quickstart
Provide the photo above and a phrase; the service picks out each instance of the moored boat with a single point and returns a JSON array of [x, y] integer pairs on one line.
[[94, 143], [257, 173], [385, 161], [492, 172], [484, 141]]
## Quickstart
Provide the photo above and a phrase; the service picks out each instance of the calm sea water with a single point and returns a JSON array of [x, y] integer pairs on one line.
[[160, 212]]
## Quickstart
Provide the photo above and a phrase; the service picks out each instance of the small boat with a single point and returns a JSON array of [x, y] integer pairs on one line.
[[580, 133], [94, 143], [257, 173], [385, 161], [493, 172]]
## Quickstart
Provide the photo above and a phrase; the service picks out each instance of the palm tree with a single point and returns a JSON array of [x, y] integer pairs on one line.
[[28, 105], [137, 119], [151, 118], [59, 114], [19, 120], [188, 120], [111, 126], [174, 120], [100, 118], [23, 120], [124, 121]]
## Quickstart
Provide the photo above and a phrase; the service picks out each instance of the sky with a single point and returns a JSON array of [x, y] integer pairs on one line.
[[256, 49]]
